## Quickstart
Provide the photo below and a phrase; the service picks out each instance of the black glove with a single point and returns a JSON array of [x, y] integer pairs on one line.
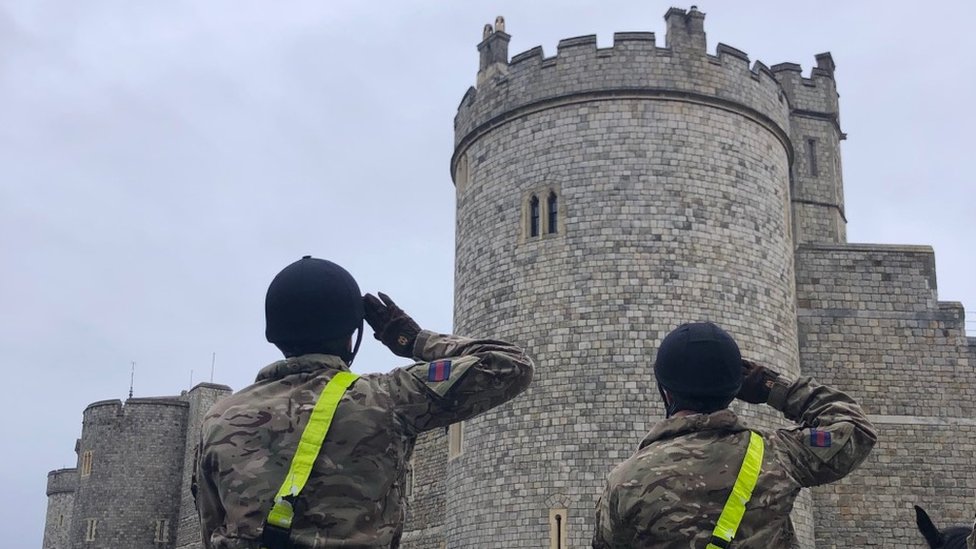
[[390, 324], [756, 382]]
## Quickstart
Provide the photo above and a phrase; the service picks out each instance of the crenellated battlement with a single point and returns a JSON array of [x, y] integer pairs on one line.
[[110, 410], [816, 93], [102, 411], [635, 66], [61, 481]]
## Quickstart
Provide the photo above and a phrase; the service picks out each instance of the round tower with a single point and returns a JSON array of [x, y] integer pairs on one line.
[[61, 485], [130, 464], [605, 196]]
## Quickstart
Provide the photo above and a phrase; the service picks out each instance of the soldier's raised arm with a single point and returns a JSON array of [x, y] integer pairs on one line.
[[834, 435], [456, 378]]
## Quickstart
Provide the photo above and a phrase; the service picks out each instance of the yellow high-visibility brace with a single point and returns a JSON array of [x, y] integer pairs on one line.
[[277, 527]]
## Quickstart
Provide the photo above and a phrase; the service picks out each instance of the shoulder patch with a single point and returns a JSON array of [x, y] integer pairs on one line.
[[825, 443], [819, 438], [439, 370], [440, 376]]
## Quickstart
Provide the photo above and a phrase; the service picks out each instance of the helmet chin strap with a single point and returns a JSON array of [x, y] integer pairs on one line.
[[359, 339], [670, 406]]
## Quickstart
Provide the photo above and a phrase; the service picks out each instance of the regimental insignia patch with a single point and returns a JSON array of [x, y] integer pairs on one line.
[[819, 439], [440, 371], [441, 375]]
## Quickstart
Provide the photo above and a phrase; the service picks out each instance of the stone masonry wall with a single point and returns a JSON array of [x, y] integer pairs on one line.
[[425, 505], [870, 324], [61, 486]]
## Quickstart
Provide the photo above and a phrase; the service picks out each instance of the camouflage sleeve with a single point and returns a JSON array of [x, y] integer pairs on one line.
[[834, 435], [611, 531], [602, 532], [459, 378], [208, 502]]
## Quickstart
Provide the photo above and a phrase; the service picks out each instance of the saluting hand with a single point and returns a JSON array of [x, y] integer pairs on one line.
[[390, 324], [757, 381]]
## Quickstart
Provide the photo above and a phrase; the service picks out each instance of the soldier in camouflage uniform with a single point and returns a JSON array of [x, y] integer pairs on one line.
[[671, 492], [354, 495]]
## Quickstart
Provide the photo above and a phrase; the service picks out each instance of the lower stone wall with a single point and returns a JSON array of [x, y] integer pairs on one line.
[[425, 504], [870, 324], [917, 461]]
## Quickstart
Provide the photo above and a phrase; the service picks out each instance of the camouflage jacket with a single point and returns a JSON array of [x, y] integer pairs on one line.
[[670, 493], [354, 497]]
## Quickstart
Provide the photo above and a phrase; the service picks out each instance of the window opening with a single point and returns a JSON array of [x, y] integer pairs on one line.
[[408, 481], [557, 529], [90, 529], [812, 156], [162, 531], [455, 439], [534, 216], [553, 212], [86, 463]]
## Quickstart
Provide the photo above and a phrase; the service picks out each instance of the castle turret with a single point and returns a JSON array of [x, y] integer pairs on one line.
[[61, 486], [494, 51], [130, 463], [686, 30], [817, 190]]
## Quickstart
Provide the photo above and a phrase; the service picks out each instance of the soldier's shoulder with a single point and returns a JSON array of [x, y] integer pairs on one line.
[[252, 397]]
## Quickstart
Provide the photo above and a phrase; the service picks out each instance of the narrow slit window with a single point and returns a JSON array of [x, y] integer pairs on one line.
[[557, 529], [91, 529], [552, 205], [162, 531], [455, 440], [534, 216], [408, 481], [812, 157]]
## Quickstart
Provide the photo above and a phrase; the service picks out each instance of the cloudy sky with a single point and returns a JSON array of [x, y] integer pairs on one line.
[[161, 161]]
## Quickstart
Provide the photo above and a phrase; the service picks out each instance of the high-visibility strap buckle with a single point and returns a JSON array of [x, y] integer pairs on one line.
[[274, 537], [718, 543]]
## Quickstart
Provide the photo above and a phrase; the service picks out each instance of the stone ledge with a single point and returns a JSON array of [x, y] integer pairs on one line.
[[923, 420]]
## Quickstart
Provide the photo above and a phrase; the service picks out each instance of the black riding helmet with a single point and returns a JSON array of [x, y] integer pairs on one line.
[[700, 366], [313, 305]]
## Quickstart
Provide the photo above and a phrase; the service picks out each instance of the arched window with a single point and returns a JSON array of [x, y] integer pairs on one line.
[[552, 208], [534, 216]]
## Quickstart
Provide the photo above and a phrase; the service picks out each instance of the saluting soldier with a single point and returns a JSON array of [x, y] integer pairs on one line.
[[313, 456], [701, 477]]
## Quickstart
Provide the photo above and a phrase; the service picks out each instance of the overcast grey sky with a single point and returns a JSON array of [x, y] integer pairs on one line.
[[161, 161]]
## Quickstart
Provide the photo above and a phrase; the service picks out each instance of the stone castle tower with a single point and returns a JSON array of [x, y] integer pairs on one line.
[[131, 488], [605, 195]]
